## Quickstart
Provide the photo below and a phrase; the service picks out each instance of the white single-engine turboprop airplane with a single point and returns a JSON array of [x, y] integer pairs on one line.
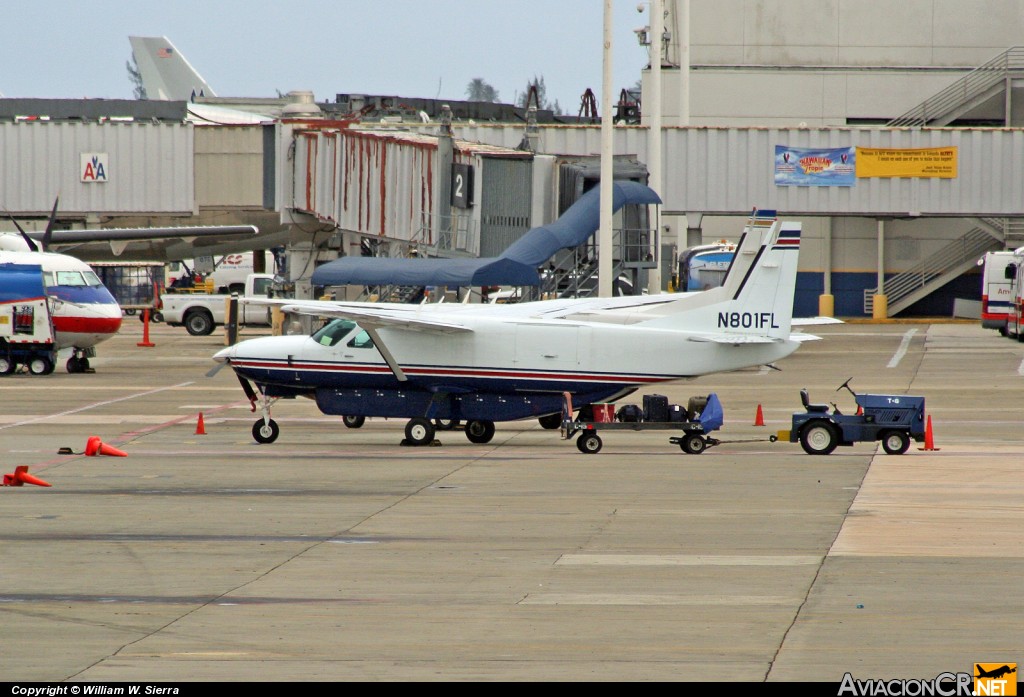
[[485, 363]]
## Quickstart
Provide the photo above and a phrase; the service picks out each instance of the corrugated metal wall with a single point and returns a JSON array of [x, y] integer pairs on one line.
[[506, 203], [373, 184], [729, 170], [229, 166], [149, 167]]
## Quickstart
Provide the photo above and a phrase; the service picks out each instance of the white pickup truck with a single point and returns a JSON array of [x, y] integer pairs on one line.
[[200, 313]]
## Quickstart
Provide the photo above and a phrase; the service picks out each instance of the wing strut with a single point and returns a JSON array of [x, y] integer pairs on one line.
[[385, 352]]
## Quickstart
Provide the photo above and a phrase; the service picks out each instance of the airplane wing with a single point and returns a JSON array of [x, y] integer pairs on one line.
[[151, 244], [377, 319]]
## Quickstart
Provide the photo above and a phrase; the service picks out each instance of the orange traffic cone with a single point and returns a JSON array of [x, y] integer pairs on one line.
[[860, 410], [94, 446], [21, 476], [200, 426], [145, 330], [929, 437], [759, 419]]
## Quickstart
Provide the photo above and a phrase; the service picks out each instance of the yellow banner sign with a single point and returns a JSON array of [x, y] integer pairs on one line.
[[907, 162]]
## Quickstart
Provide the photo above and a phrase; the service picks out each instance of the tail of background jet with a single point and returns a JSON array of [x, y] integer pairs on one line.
[[756, 299], [165, 72]]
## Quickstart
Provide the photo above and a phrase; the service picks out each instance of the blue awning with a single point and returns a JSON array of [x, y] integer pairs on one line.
[[517, 265]]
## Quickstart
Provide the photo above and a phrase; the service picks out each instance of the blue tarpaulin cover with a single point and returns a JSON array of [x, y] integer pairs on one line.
[[517, 265], [712, 417]]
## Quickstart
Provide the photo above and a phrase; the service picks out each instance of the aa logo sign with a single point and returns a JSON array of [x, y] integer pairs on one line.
[[94, 167]]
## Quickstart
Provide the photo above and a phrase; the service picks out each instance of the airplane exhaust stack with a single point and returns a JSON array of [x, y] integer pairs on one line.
[[759, 418], [200, 426], [21, 476], [95, 446]]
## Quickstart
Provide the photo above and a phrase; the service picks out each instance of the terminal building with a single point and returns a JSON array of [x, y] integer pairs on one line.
[[893, 133]]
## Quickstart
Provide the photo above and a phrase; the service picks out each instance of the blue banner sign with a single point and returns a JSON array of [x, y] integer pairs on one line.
[[814, 166]]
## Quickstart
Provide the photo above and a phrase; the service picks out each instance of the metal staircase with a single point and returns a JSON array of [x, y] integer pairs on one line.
[[906, 288], [967, 93]]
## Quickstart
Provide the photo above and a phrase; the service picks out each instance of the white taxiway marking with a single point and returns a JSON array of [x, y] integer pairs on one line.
[[95, 404], [902, 350]]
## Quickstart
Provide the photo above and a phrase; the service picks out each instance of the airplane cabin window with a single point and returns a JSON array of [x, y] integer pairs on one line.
[[361, 340], [334, 332]]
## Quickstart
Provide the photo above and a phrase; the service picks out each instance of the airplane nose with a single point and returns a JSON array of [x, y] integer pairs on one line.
[[223, 355]]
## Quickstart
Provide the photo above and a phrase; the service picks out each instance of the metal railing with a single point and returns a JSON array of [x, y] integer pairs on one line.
[[576, 275], [446, 236], [964, 251], [971, 86]]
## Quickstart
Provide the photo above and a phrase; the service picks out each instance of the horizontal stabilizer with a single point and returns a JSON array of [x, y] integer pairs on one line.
[[811, 321], [733, 339]]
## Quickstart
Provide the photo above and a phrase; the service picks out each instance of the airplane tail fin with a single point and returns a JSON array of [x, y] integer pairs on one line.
[[755, 302], [165, 72]]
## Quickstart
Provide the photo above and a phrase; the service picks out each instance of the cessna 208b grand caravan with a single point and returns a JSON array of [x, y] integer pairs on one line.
[[437, 363]]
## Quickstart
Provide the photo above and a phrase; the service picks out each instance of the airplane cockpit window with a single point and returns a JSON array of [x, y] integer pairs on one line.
[[334, 332], [361, 340], [76, 278]]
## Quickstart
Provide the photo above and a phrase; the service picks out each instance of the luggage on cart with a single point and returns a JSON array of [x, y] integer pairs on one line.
[[629, 413], [677, 414], [655, 407]]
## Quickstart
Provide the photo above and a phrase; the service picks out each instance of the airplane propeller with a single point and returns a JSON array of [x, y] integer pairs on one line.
[[28, 240], [215, 369], [47, 234]]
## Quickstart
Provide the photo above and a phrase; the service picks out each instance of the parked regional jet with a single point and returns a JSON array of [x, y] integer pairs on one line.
[[84, 312], [485, 363]]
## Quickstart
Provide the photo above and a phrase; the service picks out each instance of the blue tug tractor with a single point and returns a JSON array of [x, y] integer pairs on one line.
[[892, 419]]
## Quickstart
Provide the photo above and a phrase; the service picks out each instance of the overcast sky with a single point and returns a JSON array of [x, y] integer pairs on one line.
[[255, 48]]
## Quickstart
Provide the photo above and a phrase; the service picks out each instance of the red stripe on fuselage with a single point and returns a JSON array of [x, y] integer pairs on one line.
[[87, 325]]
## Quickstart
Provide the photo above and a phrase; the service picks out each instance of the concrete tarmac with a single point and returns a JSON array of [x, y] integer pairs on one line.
[[337, 554]]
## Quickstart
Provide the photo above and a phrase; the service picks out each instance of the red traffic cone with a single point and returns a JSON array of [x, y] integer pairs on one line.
[[94, 446], [860, 410], [759, 419], [145, 330], [929, 437], [21, 476], [200, 426]]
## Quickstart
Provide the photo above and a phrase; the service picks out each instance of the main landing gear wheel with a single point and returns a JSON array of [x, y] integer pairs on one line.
[[419, 431], [693, 444], [446, 424], [895, 442], [265, 432], [40, 365], [353, 421], [551, 421], [77, 365], [819, 438], [589, 443], [480, 431]]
